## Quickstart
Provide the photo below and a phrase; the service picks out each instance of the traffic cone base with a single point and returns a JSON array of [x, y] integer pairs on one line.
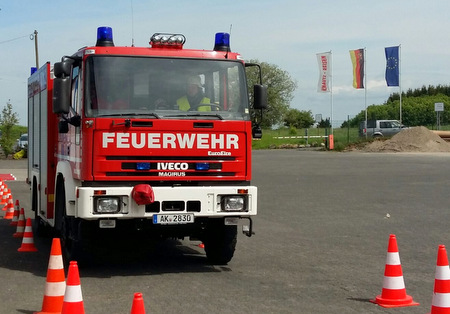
[[392, 302], [393, 293], [28, 240]]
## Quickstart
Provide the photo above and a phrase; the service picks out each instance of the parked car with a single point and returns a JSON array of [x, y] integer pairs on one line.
[[22, 142], [379, 128]]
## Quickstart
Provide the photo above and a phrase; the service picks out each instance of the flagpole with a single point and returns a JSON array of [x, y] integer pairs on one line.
[[400, 78], [365, 89], [331, 90]]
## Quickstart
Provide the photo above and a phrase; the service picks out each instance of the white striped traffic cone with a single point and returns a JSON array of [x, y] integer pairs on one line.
[[20, 229], [393, 293], [73, 298], [28, 240], [55, 285], [6, 193], [440, 303], [9, 209], [15, 219]]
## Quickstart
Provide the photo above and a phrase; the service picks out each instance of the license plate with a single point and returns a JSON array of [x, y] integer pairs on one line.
[[107, 224], [173, 219]]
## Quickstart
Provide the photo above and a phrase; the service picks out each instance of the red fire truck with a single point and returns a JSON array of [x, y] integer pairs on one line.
[[120, 147]]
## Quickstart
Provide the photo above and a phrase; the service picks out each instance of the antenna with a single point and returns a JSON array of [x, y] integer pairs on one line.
[[132, 24], [231, 26]]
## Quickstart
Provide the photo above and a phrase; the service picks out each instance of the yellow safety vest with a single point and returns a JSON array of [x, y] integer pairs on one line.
[[183, 104]]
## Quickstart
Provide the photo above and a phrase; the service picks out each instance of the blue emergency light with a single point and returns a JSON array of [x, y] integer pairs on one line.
[[104, 37], [33, 70], [202, 166], [222, 42], [143, 166]]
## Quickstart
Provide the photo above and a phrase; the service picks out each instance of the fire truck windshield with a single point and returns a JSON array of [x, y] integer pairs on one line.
[[165, 88]]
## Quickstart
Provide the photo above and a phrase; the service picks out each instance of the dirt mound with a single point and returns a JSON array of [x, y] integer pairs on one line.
[[417, 139]]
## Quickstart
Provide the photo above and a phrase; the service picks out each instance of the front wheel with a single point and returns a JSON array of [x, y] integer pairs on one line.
[[220, 242], [74, 237]]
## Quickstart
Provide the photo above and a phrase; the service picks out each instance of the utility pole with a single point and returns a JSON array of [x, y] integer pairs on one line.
[[36, 48]]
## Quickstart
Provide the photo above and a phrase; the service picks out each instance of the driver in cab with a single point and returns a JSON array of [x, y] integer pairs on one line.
[[194, 97]]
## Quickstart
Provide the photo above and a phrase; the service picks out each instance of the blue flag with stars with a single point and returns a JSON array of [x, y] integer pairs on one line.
[[392, 71]]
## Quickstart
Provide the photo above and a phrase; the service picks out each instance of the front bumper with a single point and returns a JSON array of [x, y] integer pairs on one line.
[[201, 201]]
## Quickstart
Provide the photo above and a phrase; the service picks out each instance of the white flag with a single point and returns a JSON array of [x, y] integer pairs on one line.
[[324, 61]]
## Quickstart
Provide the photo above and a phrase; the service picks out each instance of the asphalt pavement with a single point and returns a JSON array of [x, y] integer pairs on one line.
[[322, 230]]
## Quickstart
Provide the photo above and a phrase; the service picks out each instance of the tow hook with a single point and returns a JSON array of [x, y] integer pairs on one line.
[[247, 229]]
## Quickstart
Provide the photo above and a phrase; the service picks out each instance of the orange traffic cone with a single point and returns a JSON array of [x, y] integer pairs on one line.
[[440, 303], [55, 285], [3, 194], [138, 304], [8, 198], [15, 219], [73, 299], [6, 194], [20, 229], [393, 293], [9, 209], [28, 240]]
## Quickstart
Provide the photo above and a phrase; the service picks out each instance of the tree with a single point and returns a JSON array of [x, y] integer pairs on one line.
[[280, 88], [8, 119], [298, 119], [324, 123]]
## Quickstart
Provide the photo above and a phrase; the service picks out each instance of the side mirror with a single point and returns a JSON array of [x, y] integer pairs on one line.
[[257, 131], [63, 68], [260, 97], [61, 95]]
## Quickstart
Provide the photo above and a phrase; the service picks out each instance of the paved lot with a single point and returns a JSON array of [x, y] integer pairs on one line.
[[16, 167], [320, 245]]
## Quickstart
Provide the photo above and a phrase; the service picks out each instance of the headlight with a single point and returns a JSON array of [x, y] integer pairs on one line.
[[107, 205], [234, 203]]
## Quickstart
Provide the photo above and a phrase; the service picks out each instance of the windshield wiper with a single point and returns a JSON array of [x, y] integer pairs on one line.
[[195, 115], [130, 115]]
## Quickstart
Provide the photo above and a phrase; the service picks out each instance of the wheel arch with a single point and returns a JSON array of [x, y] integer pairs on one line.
[[64, 177]]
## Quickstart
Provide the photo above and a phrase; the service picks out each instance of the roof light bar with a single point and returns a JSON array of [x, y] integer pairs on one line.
[[222, 42], [104, 37], [167, 40]]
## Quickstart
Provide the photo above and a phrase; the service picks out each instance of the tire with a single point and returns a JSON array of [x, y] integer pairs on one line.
[[69, 229], [40, 229], [220, 242]]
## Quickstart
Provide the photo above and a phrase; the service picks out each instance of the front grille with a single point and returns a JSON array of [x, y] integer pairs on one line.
[[191, 206], [155, 174]]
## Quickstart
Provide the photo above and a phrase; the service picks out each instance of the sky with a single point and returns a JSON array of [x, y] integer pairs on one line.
[[285, 33]]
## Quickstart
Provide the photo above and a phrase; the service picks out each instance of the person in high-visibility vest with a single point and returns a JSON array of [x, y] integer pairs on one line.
[[194, 96]]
